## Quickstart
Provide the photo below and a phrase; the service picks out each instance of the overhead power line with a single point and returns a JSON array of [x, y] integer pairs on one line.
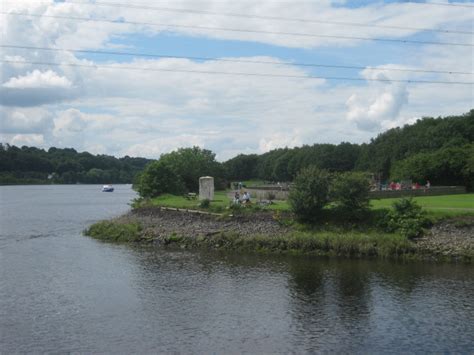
[[237, 73], [263, 17], [437, 3], [251, 61], [405, 41]]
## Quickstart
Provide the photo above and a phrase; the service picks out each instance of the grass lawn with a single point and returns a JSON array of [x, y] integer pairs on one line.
[[279, 206], [167, 200], [438, 206]]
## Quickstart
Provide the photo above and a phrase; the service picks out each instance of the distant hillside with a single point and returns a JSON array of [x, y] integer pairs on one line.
[[436, 149], [425, 136], [29, 165]]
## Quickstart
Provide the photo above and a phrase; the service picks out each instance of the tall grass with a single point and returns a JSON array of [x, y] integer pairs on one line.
[[112, 231], [350, 244]]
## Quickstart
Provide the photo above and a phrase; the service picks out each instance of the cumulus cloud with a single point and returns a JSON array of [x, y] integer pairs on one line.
[[69, 122], [35, 88], [280, 140], [154, 148], [38, 80], [36, 140], [26, 120], [385, 105], [69, 128]]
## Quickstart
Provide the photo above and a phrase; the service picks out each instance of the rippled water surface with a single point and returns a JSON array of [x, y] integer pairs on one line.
[[63, 292]]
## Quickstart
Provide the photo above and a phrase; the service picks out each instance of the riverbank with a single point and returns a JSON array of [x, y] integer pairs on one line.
[[269, 233]]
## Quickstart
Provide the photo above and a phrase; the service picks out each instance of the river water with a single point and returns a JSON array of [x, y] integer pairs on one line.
[[63, 292]]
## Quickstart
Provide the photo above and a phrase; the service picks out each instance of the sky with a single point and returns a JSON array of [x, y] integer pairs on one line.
[[197, 94]]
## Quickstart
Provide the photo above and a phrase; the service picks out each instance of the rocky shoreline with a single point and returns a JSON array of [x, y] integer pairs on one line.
[[449, 238], [165, 222], [446, 240]]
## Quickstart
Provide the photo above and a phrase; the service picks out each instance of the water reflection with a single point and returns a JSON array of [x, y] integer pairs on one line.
[[257, 303]]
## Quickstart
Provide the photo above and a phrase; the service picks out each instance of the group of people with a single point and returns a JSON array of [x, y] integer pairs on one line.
[[244, 199], [415, 186]]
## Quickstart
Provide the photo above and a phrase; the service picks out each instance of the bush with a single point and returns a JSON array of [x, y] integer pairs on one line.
[[310, 193], [157, 179], [350, 192], [406, 218], [205, 203]]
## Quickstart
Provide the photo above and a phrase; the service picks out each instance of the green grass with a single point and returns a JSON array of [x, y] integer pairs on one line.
[[437, 206], [220, 202], [350, 244], [279, 206], [446, 205], [112, 231]]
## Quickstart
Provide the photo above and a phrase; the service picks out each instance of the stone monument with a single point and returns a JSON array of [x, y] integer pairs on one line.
[[206, 188]]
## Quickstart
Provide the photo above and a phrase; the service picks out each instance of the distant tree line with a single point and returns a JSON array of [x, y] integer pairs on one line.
[[64, 166], [440, 150], [437, 149]]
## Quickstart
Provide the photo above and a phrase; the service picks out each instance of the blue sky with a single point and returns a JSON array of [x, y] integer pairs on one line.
[[163, 106]]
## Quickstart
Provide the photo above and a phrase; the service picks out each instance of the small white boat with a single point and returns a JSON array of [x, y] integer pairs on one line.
[[107, 188]]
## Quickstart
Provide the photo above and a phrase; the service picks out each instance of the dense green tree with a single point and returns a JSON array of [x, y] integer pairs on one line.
[[192, 163], [382, 156], [350, 192], [310, 193], [241, 167], [446, 166], [426, 135], [159, 178]]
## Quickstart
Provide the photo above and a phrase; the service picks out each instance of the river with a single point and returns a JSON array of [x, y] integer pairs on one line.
[[63, 292]]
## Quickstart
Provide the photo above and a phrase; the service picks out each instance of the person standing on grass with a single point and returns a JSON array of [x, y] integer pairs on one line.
[[246, 197], [237, 197]]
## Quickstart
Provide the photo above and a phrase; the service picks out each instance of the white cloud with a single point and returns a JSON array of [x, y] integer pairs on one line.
[[69, 122], [25, 120], [38, 80], [36, 140], [280, 140], [154, 148], [385, 105]]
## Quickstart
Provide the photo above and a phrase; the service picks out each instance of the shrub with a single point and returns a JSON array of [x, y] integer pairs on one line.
[[236, 208], [205, 203], [350, 192], [310, 193], [158, 178], [406, 218]]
